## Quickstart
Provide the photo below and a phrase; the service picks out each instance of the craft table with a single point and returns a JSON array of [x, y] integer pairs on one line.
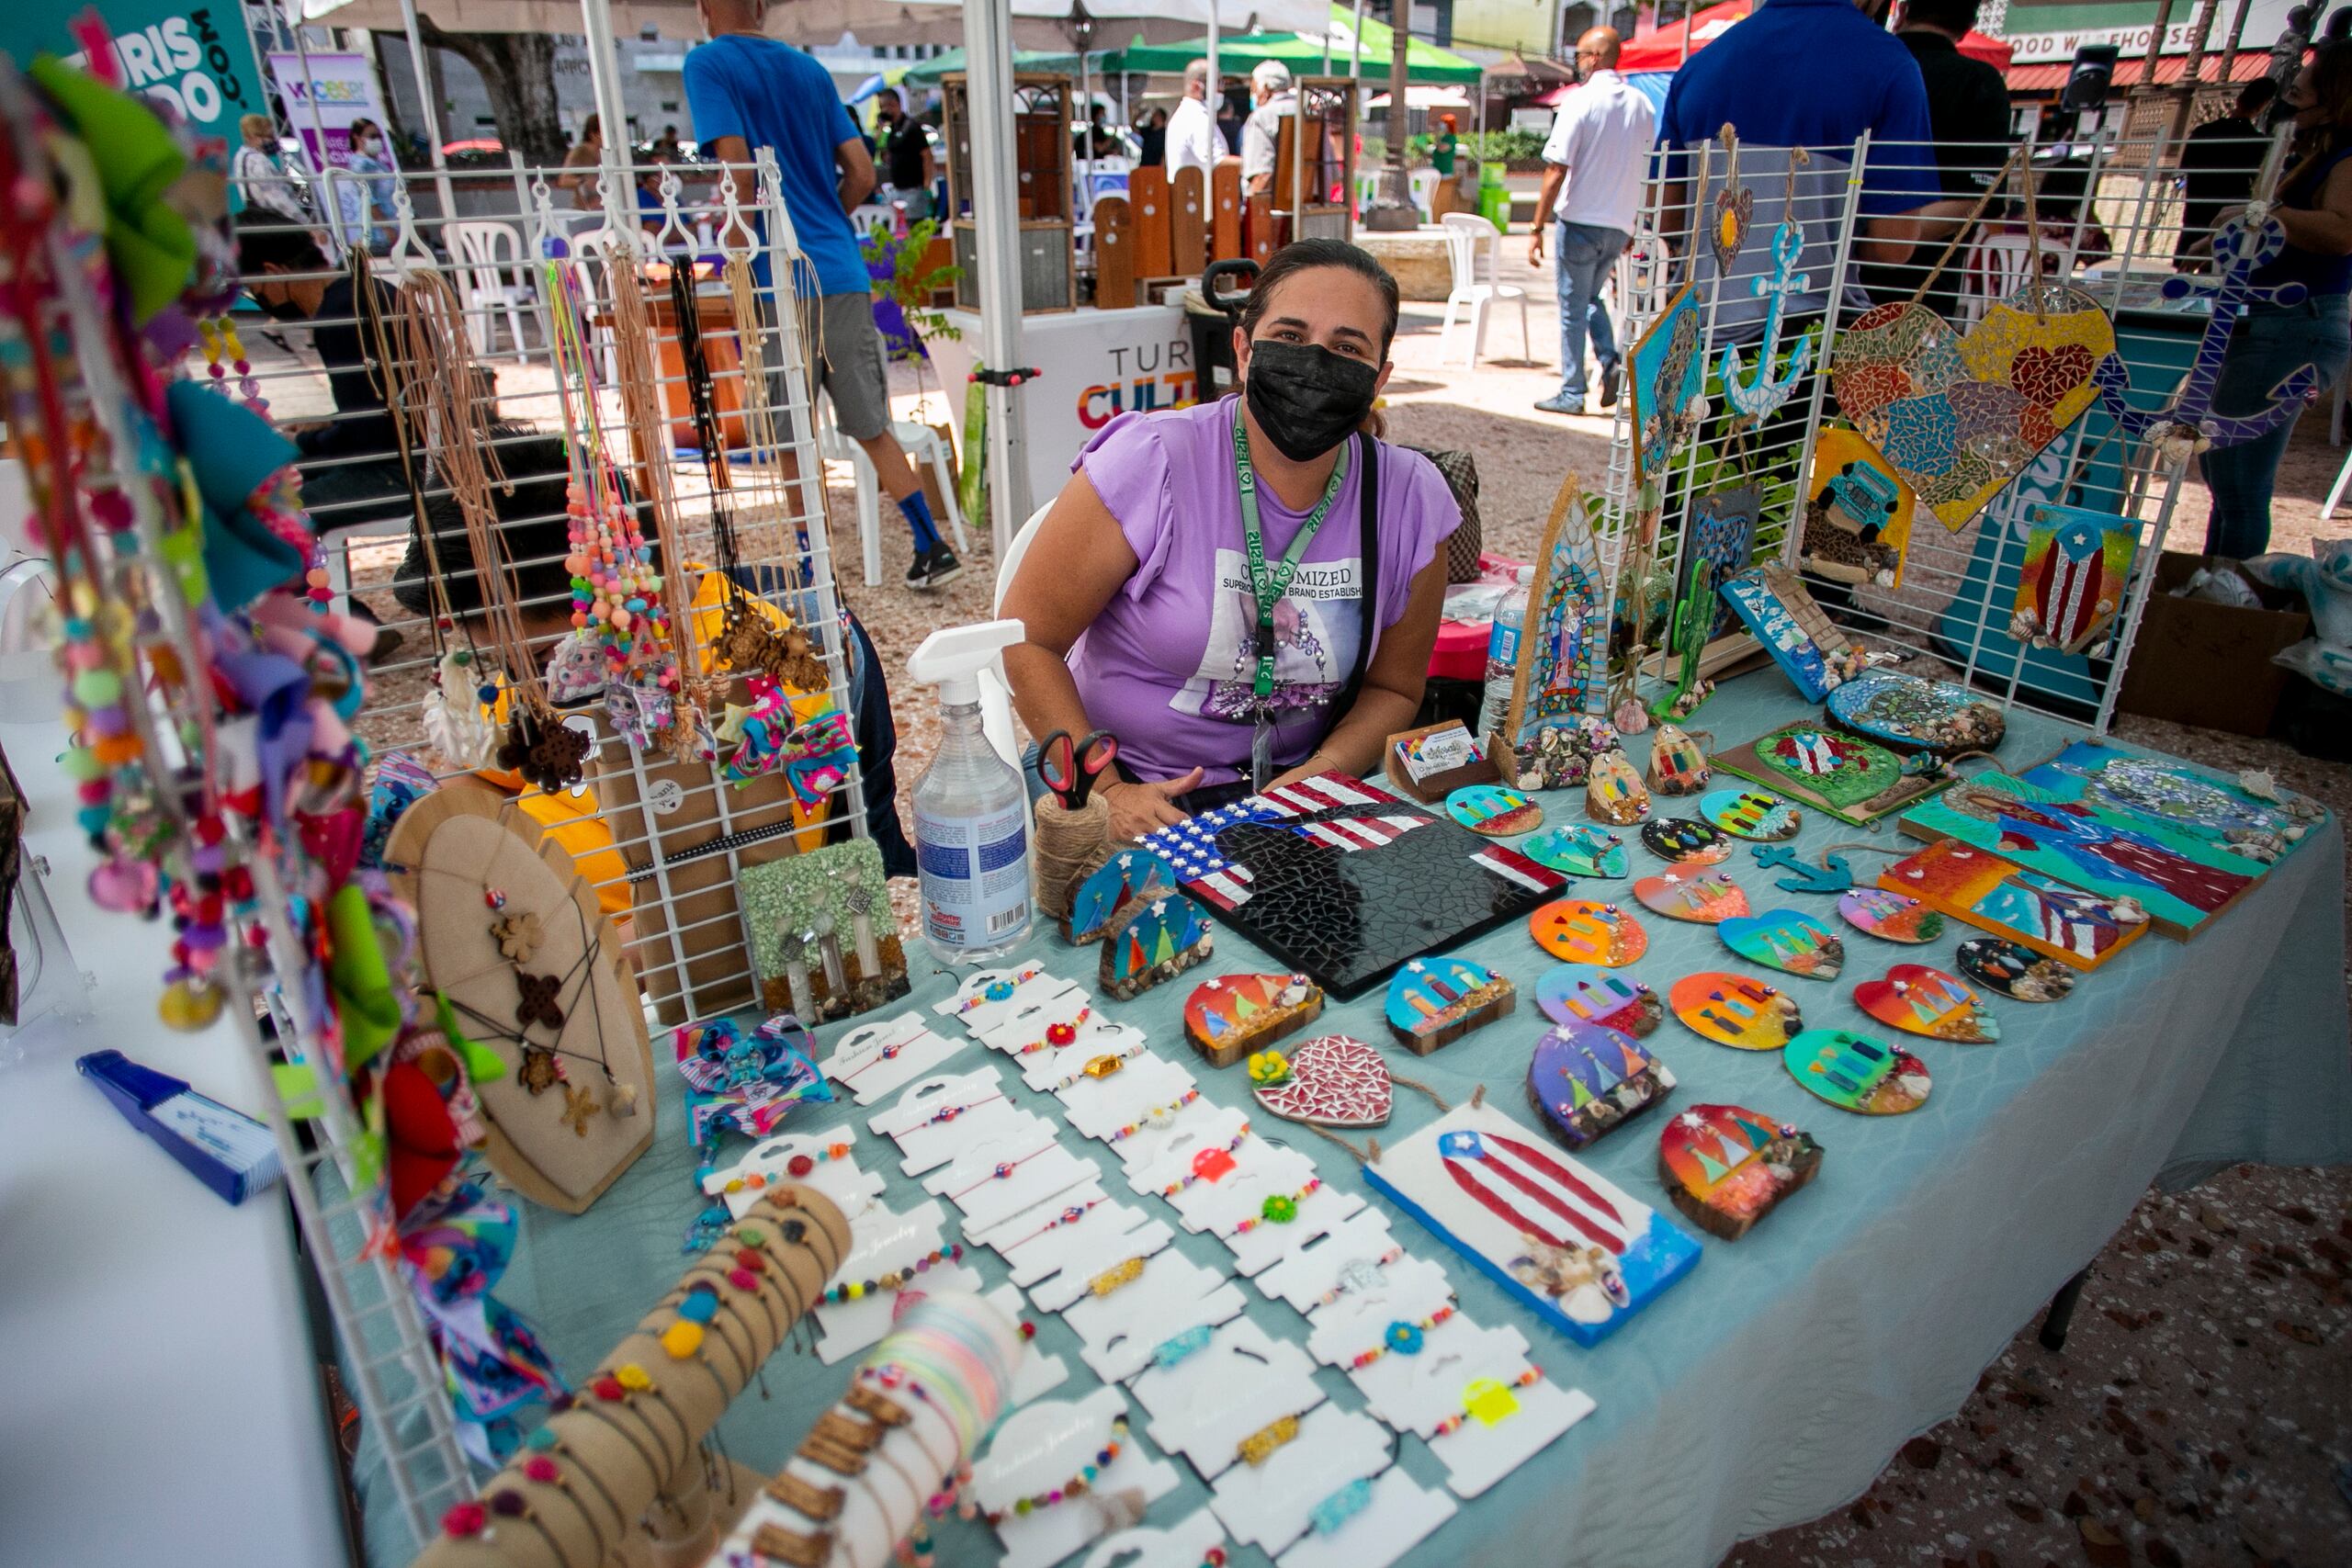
[[1772, 1384], [164, 1405]]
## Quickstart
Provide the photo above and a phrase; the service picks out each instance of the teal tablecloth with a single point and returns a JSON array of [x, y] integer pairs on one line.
[[1772, 1384]]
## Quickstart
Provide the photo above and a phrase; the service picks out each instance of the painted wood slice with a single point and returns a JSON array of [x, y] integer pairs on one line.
[[1586, 993], [1575, 931], [1677, 765], [1580, 851], [1891, 917], [1336, 1080], [1735, 1010], [2009, 968], [1751, 814], [1920, 1000], [1788, 940], [1103, 893], [1154, 941], [1685, 843], [1493, 810], [1854, 1072], [1727, 1167], [1584, 1080], [1706, 897], [1229, 1017], [1432, 1001]]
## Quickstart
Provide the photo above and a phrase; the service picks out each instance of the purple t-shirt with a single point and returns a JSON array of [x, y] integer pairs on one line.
[[1168, 663]]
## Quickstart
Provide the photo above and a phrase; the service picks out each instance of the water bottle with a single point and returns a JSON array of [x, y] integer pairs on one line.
[[1502, 653], [971, 812]]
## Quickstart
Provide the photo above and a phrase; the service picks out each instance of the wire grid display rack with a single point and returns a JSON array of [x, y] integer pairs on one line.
[[502, 247], [2110, 222]]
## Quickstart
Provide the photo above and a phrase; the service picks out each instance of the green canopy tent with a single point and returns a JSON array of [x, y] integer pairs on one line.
[[1303, 52], [930, 73]]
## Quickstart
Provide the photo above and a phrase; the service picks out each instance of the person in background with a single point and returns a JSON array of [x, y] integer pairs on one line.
[[746, 91], [1593, 162], [1193, 140], [1445, 155], [2270, 342], [1151, 134], [1968, 110], [2218, 166], [264, 186], [364, 202], [906, 156], [1270, 88], [1097, 140], [1229, 118], [580, 166], [665, 146]]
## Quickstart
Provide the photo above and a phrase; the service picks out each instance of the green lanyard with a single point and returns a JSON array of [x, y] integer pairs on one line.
[[1269, 586]]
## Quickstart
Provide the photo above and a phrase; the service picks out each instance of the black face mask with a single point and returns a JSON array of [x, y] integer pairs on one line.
[[1308, 399], [285, 310]]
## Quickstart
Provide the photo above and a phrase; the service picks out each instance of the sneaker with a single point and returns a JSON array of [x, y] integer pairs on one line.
[[387, 642], [1560, 402], [934, 568], [1612, 379]]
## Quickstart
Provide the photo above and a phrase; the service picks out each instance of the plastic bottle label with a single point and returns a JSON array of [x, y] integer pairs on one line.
[[975, 874], [1502, 648]]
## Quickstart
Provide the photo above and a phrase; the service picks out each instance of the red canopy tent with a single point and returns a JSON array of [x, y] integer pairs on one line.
[[1662, 50]]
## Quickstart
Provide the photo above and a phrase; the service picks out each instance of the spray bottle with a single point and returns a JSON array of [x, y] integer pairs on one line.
[[971, 813]]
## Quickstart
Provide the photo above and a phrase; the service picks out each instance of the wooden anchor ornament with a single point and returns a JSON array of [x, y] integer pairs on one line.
[[1727, 1167], [1835, 874], [1754, 401], [1435, 1002]]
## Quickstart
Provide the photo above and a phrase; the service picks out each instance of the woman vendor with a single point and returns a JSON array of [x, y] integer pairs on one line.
[[1218, 586]]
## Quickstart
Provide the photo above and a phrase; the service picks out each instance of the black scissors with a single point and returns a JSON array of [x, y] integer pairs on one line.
[[1068, 771]]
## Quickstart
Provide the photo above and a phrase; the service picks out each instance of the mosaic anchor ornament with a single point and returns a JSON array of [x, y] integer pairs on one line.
[[1579, 851], [1737, 1010], [1960, 414], [1788, 940], [1435, 1002], [1920, 1000], [1577, 931], [1584, 993], [1727, 1167], [2014, 971], [1584, 1080], [1706, 899], [1854, 1072], [1755, 400], [2078, 563]]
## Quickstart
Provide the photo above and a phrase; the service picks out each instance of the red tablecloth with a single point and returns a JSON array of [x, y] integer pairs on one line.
[[1461, 650]]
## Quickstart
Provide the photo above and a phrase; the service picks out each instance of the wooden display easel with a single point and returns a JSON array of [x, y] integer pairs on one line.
[[1046, 164]]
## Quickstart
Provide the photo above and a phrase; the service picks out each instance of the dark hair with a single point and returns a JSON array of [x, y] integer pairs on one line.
[[532, 523], [2330, 75], [1951, 16], [1305, 255], [363, 124], [593, 125], [2255, 95], [260, 249]]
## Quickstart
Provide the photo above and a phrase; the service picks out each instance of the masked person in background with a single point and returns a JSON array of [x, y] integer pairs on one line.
[[1220, 586]]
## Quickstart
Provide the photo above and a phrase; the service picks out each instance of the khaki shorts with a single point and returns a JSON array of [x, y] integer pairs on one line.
[[848, 361]]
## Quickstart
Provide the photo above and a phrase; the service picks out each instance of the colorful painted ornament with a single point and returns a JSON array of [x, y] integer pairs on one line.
[[1735, 1010], [1577, 931], [1787, 940], [1706, 899], [1751, 814], [1685, 842], [2016, 971], [1157, 942], [2078, 563], [1727, 1167], [1994, 894], [1102, 894], [1584, 1080], [1493, 811], [1678, 764], [1229, 1017], [1889, 917], [1435, 1002], [1834, 875], [1334, 1080], [1585, 993], [1920, 1000], [1854, 1072], [1579, 851], [1613, 792]]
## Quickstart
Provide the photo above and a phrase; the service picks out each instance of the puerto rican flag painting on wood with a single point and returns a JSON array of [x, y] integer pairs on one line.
[[1581, 1252]]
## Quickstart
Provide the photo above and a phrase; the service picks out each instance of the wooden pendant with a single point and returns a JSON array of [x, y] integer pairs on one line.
[[1735, 1010], [1921, 1001], [1577, 931], [1787, 940], [1584, 1080], [1854, 1072]]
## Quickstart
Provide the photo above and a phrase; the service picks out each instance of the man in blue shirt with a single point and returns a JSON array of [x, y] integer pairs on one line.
[[746, 92]]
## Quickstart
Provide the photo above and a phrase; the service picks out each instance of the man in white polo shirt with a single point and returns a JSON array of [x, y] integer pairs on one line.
[[1192, 142], [1592, 185]]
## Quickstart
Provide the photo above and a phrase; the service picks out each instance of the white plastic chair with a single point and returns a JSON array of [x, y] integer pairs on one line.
[[1423, 185], [870, 219], [1995, 268], [1469, 238], [1367, 189], [924, 446], [488, 260], [996, 692]]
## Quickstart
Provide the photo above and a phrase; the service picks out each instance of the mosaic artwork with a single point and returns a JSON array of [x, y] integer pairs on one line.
[[1585, 993], [1920, 1000], [1854, 1072], [1848, 778], [1564, 641], [1664, 379], [1889, 917], [1737, 1010], [1103, 893], [1434, 1000], [1960, 414], [2014, 971], [1751, 814], [1777, 608], [1570, 1246], [1342, 881], [1332, 1080], [1788, 940], [1685, 843], [1996, 894], [1584, 1080], [824, 942], [1159, 940], [1717, 546], [1703, 897], [1727, 1167], [1858, 513], [1678, 762], [1579, 851], [1910, 712], [1753, 400], [2181, 881], [1493, 812], [1734, 207], [2166, 794], [2078, 563], [1576, 932]]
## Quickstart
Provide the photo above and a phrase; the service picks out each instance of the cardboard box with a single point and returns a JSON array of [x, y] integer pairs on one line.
[[2207, 664]]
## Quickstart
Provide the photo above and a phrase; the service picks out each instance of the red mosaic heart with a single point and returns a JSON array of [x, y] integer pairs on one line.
[[1336, 1080]]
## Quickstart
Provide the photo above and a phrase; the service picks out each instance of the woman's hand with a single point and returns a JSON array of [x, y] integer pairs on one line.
[[1140, 809]]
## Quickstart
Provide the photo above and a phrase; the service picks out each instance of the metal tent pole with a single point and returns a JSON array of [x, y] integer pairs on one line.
[[604, 77], [416, 64], [987, 49]]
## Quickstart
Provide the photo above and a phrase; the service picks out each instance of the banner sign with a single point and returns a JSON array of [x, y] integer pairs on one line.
[[2050, 32], [194, 57], [340, 87]]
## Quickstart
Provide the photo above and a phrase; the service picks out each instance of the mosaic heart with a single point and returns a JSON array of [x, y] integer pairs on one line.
[[1685, 842], [1579, 851], [1335, 1080], [1725, 1166], [1854, 1072], [1586, 993], [1493, 810], [1960, 414], [1735, 1010], [1585, 1079], [1751, 814], [1577, 931], [2011, 969], [1788, 940], [1920, 1000], [1889, 917], [1707, 897]]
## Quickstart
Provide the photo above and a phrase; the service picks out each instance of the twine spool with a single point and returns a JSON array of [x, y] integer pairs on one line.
[[1071, 846]]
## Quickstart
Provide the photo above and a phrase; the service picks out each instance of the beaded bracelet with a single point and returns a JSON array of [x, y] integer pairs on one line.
[[542, 1470], [1261, 1445], [1001, 990], [654, 1470], [1205, 1162], [1154, 1116], [1482, 1393], [1101, 1066], [1068, 1216], [1122, 1273], [1279, 1208], [546, 1440], [896, 1279], [797, 1167], [1058, 1036], [1076, 1486], [947, 1113], [1357, 1274], [1403, 1338], [1003, 1169]]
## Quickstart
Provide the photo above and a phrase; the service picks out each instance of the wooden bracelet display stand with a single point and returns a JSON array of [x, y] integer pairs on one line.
[[620, 1478]]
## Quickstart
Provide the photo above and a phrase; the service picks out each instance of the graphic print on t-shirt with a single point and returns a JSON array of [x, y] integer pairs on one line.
[[1315, 641]]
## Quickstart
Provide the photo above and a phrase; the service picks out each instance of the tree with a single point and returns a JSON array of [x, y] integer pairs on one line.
[[519, 69]]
